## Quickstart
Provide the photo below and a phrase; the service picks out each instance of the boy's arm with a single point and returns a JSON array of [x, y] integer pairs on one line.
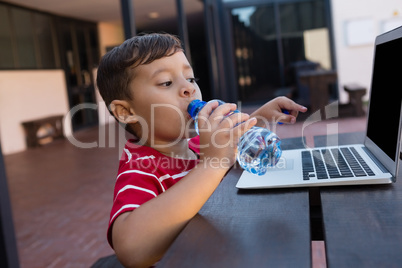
[[141, 237], [272, 111]]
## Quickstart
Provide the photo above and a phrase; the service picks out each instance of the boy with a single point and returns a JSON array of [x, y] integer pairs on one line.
[[148, 83]]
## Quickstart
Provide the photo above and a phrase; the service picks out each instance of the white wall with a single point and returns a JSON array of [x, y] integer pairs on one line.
[[32, 94], [27, 95], [355, 62]]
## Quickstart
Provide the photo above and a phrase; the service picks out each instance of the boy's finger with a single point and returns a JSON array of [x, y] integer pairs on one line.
[[225, 109], [206, 111], [222, 112], [290, 111], [293, 108], [235, 119], [288, 104], [242, 128], [287, 119]]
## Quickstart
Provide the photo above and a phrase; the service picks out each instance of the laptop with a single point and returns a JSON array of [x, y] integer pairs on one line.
[[375, 161]]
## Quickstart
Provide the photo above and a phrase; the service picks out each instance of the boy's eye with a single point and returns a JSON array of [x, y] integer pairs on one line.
[[193, 80], [166, 84]]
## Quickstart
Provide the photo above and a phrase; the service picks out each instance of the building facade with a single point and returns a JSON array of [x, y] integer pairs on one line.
[[245, 51]]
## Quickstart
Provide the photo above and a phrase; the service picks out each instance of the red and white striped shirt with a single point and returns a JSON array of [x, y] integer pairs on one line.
[[143, 174]]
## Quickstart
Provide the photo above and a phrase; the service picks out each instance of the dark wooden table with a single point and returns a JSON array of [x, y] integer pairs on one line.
[[362, 224], [247, 228]]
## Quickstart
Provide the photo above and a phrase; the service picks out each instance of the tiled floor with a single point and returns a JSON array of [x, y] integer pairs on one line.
[[61, 195]]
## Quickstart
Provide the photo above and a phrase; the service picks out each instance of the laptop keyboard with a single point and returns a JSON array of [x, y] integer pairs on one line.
[[334, 163]]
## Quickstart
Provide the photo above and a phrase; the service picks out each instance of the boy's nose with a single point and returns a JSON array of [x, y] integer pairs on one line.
[[188, 90]]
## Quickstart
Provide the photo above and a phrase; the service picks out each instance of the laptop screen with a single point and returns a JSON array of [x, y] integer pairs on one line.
[[386, 95]]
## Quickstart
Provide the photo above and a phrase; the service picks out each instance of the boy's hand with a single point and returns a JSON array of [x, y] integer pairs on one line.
[[272, 111], [220, 132]]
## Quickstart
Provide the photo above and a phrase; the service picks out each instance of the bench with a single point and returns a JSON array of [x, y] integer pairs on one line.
[[355, 105], [51, 127]]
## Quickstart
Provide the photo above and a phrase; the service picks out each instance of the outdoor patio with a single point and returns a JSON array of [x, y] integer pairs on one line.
[[61, 195]]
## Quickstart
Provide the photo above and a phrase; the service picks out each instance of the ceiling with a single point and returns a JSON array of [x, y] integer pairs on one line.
[[109, 10]]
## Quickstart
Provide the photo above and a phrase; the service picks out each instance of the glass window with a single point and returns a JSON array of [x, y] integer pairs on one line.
[[93, 42], [45, 43], [6, 51], [273, 42], [81, 34], [22, 22], [31, 39], [256, 52], [296, 19]]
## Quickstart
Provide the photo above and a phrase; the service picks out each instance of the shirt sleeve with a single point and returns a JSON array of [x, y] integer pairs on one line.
[[132, 189]]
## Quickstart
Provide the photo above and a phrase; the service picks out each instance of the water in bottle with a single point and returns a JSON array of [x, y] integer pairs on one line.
[[258, 148]]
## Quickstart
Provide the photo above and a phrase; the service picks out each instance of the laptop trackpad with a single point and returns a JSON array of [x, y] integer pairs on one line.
[[283, 164]]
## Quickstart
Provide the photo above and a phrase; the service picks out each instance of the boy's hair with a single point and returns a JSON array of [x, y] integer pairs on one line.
[[116, 68]]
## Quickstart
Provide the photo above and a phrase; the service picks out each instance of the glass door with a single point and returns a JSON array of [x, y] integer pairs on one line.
[[273, 41], [79, 54], [256, 52]]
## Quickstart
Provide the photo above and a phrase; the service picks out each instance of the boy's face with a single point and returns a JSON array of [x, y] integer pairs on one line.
[[161, 92]]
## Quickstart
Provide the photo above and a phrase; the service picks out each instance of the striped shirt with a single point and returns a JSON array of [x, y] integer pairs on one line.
[[143, 174]]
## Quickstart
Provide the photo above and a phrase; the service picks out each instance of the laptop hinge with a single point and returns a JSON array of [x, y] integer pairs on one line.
[[375, 160]]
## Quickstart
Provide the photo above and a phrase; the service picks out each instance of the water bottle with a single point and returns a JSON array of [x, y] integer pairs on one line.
[[258, 148]]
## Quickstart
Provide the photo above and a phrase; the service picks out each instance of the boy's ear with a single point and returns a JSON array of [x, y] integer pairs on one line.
[[122, 110]]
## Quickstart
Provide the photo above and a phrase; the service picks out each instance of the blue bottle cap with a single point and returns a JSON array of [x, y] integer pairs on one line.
[[195, 106]]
